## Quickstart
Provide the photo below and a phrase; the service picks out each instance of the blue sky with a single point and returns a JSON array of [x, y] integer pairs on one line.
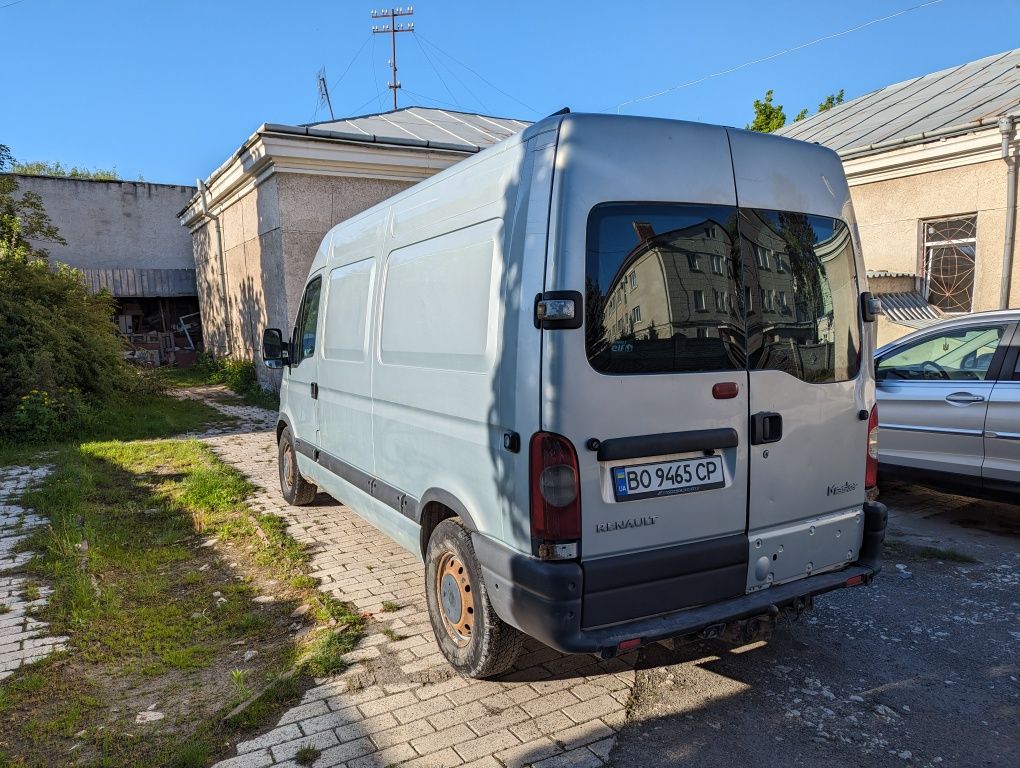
[[168, 90]]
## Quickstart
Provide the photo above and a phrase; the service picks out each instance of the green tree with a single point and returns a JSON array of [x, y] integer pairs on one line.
[[830, 101], [43, 168], [768, 117], [60, 356]]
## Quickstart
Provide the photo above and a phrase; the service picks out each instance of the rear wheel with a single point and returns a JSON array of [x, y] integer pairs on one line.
[[475, 641], [296, 490]]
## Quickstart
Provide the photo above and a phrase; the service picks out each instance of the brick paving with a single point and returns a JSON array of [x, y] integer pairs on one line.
[[399, 702], [23, 638]]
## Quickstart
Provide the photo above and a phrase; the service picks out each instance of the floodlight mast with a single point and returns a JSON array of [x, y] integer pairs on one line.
[[392, 29]]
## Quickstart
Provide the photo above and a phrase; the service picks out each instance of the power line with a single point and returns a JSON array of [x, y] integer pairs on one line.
[[475, 98], [436, 70], [351, 64], [434, 100], [777, 54], [480, 77], [8, 5], [377, 97], [375, 78]]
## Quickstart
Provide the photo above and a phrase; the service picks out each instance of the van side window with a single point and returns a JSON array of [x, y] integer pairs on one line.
[[813, 331], [667, 246], [963, 354], [307, 321], [347, 311]]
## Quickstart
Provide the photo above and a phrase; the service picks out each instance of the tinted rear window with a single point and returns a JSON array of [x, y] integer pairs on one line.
[[662, 289], [683, 288], [802, 308]]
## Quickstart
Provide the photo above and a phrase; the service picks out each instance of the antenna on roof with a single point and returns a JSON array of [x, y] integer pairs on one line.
[[324, 91], [392, 29]]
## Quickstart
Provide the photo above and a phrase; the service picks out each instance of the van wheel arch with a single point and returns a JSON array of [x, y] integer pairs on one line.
[[280, 426], [437, 505]]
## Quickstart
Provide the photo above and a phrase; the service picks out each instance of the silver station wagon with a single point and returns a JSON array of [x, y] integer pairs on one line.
[[610, 379], [950, 404]]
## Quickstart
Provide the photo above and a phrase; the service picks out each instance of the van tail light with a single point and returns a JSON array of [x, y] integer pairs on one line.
[[871, 471], [555, 490]]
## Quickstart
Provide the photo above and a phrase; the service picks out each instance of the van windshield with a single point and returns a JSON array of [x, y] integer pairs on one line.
[[681, 288]]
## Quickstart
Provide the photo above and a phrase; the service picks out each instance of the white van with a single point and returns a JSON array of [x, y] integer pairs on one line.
[[610, 379]]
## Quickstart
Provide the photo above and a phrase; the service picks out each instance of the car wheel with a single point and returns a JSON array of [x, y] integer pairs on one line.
[[475, 641], [296, 490]]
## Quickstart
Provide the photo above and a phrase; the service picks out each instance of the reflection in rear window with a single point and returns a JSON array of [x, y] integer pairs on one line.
[[801, 270], [661, 289], [681, 288]]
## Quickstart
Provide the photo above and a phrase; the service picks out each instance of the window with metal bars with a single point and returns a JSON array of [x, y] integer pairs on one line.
[[950, 249]]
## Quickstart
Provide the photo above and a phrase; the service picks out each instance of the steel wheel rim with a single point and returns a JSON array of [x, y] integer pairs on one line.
[[455, 598], [288, 465]]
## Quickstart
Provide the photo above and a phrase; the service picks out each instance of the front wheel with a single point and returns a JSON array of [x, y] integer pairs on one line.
[[296, 490], [475, 641]]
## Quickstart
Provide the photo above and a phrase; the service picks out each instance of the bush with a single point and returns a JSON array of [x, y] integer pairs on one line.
[[60, 355]]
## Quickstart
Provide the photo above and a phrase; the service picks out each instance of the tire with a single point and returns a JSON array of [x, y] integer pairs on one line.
[[475, 641], [297, 491]]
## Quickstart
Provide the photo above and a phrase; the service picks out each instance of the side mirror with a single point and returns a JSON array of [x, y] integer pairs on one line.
[[275, 352], [871, 307]]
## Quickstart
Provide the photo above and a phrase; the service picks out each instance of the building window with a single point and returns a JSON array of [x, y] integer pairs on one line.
[[782, 300], [780, 264], [950, 247], [717, 263], [762, 254], [633, 279], [694, 262], [699, 301], [702, 333], [635, 314], [720, 301]]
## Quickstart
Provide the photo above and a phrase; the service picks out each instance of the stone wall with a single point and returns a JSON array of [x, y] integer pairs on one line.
[[115, 224]]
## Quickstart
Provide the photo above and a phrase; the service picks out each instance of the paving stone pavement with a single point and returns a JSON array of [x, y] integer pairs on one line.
[[400, 703], [23, 638]]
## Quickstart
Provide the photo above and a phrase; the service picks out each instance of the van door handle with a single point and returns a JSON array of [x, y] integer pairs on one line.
[[315, 390], [766, 427], [964, 397]]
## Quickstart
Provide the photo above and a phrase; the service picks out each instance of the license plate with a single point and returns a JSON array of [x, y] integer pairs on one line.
[[668, 478]]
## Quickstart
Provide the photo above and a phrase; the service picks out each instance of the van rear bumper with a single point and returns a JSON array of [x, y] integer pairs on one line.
[[543, 598]]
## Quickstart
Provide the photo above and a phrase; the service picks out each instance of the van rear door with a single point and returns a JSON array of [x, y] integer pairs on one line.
[[652, 390], [809, 397]]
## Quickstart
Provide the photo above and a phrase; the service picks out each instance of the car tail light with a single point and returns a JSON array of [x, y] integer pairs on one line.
[[871, 471], [555, 492]]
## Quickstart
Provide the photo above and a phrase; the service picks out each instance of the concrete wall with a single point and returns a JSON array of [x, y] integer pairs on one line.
[[889, 215], [115, 224], [270, 236]]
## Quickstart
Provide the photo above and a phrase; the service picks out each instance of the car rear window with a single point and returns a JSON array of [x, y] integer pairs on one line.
[[662, 289], [801, 295]]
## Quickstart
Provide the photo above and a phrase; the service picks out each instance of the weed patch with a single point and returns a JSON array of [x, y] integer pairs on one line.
[[157, 621]]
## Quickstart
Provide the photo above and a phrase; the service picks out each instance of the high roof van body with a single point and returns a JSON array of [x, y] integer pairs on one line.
[[610, 379]]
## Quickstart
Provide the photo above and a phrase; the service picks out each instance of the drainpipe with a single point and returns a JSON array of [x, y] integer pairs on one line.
[[1006, 126], [215, 219]]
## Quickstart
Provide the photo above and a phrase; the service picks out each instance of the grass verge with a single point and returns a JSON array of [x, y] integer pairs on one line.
[[156, 562], [139, 417], [237, 375], [897, 547]]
